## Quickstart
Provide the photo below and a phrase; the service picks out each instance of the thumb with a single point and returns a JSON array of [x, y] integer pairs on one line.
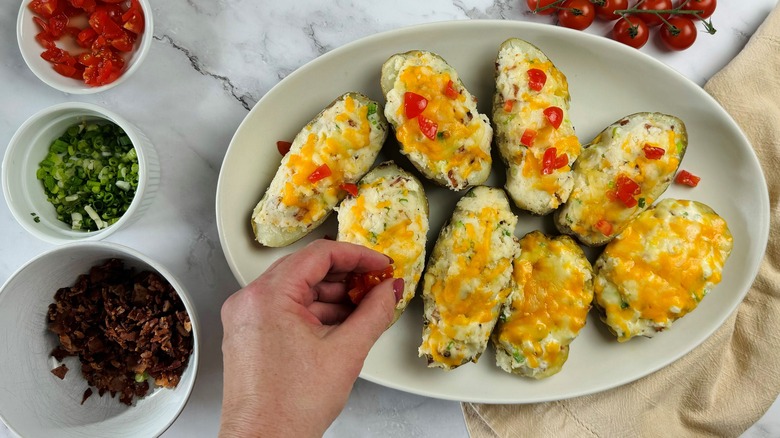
[[371, 318]]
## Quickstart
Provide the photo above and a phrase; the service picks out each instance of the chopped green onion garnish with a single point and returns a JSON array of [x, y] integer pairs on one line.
[[90, 175]]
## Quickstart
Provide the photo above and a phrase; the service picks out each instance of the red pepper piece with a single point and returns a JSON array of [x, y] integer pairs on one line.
[[536, 79], [554, 116], [508, 105], [428, 127], [414, 104], [319, 173], [687, 178]]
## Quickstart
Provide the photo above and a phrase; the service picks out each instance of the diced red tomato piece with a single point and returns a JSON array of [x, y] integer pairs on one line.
[[359, 284], [428, 127], [43, 24], [450, 91], [604, 227], [45, 8], [57, 25], [350, 188], [508, 105], [554, 116], [687, 178], [133, 19], [414, 104], [86, 37], [283, 147], [653, 153], [626, 189], [548, 160], [45, 40], [104, 25], [527, 140], [123, 43], [69, 71], [536, 79], [319, 173], [86, 5], [561, 161]]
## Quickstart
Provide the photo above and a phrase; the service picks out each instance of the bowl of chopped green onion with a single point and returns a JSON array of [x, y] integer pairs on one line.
[[77, 171]]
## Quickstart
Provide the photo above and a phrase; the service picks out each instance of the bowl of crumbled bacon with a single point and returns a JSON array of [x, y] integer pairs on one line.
[[98, 340], [84, 46]]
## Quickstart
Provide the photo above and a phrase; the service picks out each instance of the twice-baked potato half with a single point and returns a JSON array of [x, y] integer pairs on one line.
[[534, 134], [389, 214], [552, 291], [436, 120], [620, 174], [468, 278], [660, 267], [336, 148]]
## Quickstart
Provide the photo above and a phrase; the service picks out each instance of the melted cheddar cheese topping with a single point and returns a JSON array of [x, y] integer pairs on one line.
[[516, 109], [619, 150], [460, 151], [548, 306], [661, 266], [468, 279], [345, 137]]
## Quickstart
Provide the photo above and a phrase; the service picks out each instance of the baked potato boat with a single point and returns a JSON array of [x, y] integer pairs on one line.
[[660, 267], [389, 214], [468, 278], [436, 120], [551, 295], [620, 174], [534, 134], [335, 149]]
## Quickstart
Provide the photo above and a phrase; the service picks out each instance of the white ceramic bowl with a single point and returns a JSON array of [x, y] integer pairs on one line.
[[26, 29], [24, 193], [33, 402]]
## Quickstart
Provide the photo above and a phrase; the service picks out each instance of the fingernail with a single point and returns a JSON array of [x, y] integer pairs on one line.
[[398, 289], [391, 259]]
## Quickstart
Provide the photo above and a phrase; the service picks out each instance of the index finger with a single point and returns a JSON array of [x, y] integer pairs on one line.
[[323, 257]]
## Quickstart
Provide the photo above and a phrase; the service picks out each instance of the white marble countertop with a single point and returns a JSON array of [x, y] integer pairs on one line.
[[210, 62]]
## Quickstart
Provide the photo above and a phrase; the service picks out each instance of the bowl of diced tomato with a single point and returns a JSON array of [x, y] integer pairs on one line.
[[84, 46]]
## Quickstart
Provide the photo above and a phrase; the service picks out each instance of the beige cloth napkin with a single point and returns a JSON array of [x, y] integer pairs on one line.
[[737, 370]]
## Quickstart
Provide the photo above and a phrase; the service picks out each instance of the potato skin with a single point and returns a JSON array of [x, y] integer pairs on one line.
[[458, 157], [660, 267], [346, 136], [617, 153], [518, 109], [468, 278], [389, 215], [531, 339]]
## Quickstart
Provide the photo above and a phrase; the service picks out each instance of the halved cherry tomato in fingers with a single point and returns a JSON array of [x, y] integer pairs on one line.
[[679, 34], [358, 284]]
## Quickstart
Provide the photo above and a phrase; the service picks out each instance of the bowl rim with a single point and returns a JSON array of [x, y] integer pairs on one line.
[[184, 295], [75, 236], [45, 76]]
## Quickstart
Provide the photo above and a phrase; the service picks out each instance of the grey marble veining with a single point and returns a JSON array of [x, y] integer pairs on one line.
[[210, 62]]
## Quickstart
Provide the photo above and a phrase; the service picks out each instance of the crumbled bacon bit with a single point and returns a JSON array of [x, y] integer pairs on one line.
[[60, 371], [121, 324]]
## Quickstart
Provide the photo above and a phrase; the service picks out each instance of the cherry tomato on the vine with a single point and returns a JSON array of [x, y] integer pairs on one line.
[[706, 6], [533, 5], [679, 34], [576, 14], [652, 19], [605, 9], [631, 31]]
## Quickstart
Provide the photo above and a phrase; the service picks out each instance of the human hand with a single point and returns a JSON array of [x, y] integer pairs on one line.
[[294, 345]]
